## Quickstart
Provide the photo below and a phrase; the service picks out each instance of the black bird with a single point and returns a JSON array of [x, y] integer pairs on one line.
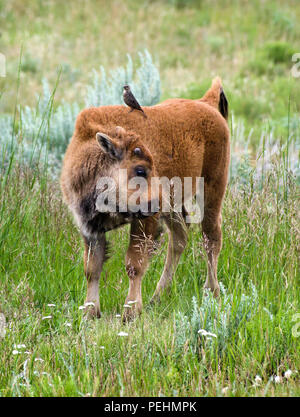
[[131, 101]]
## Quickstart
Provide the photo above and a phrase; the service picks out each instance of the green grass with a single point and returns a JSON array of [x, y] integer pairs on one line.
[[41, 264], [249, 44]]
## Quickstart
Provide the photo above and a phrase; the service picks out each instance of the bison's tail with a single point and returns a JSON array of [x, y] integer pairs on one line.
[[223, 104], [215, 97]]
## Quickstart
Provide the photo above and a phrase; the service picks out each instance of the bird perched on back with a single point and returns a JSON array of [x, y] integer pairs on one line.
[[131, 101]]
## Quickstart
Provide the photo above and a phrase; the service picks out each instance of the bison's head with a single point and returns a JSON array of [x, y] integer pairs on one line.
[[127, 187]]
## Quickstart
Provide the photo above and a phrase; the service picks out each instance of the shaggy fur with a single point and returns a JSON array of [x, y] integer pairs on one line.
[[182, 138]]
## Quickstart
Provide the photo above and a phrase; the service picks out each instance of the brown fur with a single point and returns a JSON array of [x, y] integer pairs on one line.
[[183, 138]]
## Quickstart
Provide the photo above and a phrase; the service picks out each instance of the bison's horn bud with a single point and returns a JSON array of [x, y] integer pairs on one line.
[[120, 131]]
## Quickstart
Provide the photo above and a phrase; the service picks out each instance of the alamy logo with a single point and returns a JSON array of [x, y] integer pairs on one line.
[[2, 65], [147, 197]]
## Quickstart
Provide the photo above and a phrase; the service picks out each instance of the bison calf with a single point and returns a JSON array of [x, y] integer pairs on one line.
[[178, 139]]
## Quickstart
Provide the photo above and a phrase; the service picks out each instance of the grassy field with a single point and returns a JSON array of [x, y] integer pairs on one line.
[[49, 348], [41, 264], [248, 44]]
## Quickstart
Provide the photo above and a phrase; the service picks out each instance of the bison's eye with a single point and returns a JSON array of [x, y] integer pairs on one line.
[[140, 172], [137, 151]]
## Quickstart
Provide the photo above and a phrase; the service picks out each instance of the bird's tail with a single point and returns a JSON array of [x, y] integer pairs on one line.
[[216, 97]]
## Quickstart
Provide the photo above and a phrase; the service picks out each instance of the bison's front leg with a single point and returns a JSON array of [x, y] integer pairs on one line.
[[94, 256], [137, 258]]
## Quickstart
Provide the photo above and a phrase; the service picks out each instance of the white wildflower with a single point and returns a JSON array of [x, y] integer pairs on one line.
[[132, 302], [68, 324], [101, 347], [51, 305], [122, 334], [277, 379], [127, 306], [118, 315], [224, 390], [85, 305], [39, 360], [15, 352], [203, 332], [288, 374], [47, 318], [258, 380], [21, 346]]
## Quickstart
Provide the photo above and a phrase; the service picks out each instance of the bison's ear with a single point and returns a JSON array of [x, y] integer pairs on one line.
[[109, 146]]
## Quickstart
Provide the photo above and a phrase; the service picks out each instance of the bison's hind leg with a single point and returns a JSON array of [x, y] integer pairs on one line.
[[212, 233], [177, 230], [212, 239]]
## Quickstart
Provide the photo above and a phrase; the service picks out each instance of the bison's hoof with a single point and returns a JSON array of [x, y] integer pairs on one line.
[[132, 309], [155, 299], [92, 310], [215, 291]]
